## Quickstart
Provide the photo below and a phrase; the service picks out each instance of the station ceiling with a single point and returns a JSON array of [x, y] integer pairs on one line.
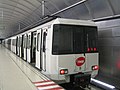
[[17, 14]]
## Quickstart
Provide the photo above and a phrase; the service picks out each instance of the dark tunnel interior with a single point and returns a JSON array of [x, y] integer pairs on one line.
[[109, 52]]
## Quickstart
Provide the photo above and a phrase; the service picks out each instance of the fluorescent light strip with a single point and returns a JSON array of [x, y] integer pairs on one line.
[[102, 83]]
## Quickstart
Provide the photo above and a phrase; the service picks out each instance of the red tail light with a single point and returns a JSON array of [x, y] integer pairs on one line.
[[95, 49], [95, 67], [88, 49], [91, 49], [63, 71]]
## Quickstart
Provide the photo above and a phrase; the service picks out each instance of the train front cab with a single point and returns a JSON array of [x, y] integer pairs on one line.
[[74, 53]]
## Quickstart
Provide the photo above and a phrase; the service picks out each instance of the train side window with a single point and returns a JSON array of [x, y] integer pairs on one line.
[[44, 41], [38, 37]]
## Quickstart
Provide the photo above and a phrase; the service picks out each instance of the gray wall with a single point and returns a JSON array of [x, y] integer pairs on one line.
[[109, 48]]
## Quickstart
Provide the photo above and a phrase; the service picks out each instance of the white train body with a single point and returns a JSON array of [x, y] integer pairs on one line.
[[60, 48]]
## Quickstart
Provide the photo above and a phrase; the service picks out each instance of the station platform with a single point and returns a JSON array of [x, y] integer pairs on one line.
[[16, 74]]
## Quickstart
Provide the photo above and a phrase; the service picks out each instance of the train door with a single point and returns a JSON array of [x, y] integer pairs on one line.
[[14, 45], [43, 49], [38, 50], [25, 47], [22, 46], [33, 48], [9, 44], [29, 47], [17, 45]]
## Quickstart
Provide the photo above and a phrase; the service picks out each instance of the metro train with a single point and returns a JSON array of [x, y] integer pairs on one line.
[[62, 49]]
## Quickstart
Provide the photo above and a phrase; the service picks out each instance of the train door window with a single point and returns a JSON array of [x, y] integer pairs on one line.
[[22, 46], [33, 53], [20, 41], [17, 42], [24, 39], [28, 42], [38, 37], [34, 42], [44, 41], [16, 45], [13, 42]]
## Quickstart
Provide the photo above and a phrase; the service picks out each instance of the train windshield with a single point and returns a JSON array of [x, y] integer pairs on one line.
[[73, 39]]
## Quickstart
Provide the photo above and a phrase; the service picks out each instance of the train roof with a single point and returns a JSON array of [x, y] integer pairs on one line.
[[61, 21], [57, 21], [74, 22]]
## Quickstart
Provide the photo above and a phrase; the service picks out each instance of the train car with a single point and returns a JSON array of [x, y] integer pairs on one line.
[[7, 43], [63, 49]]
